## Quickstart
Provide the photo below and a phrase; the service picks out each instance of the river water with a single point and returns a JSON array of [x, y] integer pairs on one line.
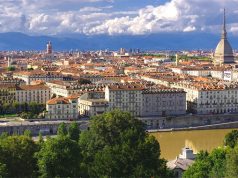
[[171, 143]]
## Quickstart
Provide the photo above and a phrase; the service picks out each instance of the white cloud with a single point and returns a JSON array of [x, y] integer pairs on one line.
[[176, 15], [62, 16], [189, 29]]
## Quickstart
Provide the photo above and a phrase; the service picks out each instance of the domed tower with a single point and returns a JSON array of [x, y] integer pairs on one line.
[[224, 52]]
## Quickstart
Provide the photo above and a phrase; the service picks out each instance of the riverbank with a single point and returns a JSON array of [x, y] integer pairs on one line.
[[227, 125], [191, 122]]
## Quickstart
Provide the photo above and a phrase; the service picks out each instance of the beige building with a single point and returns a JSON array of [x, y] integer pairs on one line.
[[62, 108], [7, 93], [92, 103], [30, 76], [145, 102], [33, 93], [211, 99], [163, 101], [68, 88], [125, 97]]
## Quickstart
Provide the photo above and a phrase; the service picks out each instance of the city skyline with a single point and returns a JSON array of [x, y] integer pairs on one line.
[[114, 17]]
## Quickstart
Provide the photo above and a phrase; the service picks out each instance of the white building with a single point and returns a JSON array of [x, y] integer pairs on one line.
[[210, 98], [30, 76], [68, 88], [33, 93], [93, 103], [62, 108], [145, 102], [163, 101], [125, 97]]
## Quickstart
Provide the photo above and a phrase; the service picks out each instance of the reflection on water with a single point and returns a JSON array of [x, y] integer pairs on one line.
[[171, 143]]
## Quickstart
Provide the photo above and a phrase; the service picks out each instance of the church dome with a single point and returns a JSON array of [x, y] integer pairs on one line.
[[224, 48], [223, 53]]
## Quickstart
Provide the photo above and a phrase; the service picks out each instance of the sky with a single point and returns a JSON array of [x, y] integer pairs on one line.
[[116, 17]]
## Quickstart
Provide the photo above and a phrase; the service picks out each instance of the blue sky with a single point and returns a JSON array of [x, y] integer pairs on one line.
[[116, 17]]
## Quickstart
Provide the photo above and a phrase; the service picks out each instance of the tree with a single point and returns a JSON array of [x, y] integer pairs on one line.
[[200, 168], [231, 138], [74, 131], [17, 156], [41, 140], [62, 130], [16, 107], [27, 133], [116, 145], [3, 171], [218, 163], [83, 81], [34, 108], [11, 68], [208, 165], [231, 163], [59, 157]]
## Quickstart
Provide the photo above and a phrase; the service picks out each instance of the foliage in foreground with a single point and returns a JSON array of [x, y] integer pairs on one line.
[[116, 145], [220, 163]]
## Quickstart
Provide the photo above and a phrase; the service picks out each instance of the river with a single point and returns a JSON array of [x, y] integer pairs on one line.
[[171, 143]]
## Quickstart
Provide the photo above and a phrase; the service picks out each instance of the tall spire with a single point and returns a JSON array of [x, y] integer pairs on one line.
[[224, 33]]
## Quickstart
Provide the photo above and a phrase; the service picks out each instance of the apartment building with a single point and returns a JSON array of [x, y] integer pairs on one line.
[[30, 76], [211, 98], [67, 88], [7, 93], [33, 93], [62, 108], [163, 101], [9, 80], [204, 95], [93, 103], [146, 101], [125, 97]]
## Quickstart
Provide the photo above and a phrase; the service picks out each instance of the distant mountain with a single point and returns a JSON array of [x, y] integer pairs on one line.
[[162, 41]]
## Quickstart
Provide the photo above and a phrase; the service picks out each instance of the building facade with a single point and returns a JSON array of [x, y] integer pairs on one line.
[[33, 93], [7, 93], [163, 102], [146, 102], [93, 103], [62, 108], [30, 76]]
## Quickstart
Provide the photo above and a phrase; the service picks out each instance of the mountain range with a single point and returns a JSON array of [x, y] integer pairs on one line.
[[161, 41]]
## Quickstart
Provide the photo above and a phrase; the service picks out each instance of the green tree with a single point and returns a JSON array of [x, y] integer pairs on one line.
[[3, 170], [62, 130], [231, 138], [16, 107], [17, 156], [6, 108], [208, 165], [74, 131], [218, 163], [231, 163], [116, 145], [59, 157], [83, 81], [41, 140], [11, 68], [33, 107], [200, 168], [27, 133]]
